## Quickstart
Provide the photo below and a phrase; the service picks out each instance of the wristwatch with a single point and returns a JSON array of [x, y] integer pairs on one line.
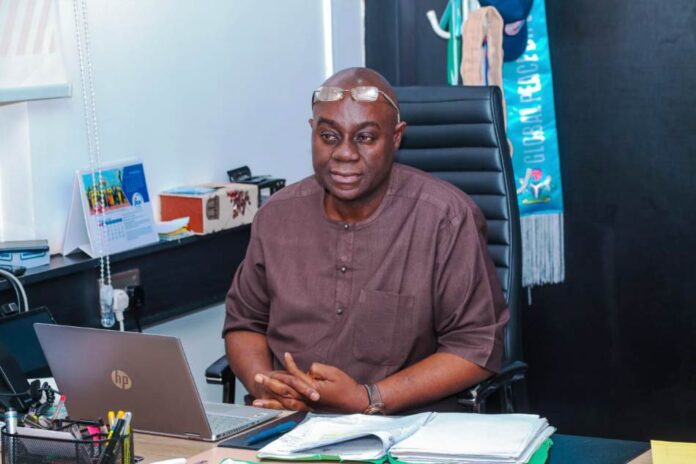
[[374, 398]]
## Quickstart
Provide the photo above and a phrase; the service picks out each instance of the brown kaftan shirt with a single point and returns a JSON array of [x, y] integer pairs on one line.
[[374, 297]]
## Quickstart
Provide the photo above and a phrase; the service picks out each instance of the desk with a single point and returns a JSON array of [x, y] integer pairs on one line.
[[567, 449], [155, 448]]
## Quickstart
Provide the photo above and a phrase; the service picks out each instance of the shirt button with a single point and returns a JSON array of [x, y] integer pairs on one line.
[[339, 311], [346, 226], [344, 268]]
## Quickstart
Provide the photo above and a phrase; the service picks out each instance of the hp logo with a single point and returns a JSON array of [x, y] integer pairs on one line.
[[121, 380]]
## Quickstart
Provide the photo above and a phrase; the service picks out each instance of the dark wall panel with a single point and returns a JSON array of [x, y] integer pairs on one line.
[[612, 351], [624, 76], [400, 44]]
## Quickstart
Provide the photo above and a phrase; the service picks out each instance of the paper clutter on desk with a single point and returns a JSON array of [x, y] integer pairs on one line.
[[174, 229], [424, 438], [469, 437]]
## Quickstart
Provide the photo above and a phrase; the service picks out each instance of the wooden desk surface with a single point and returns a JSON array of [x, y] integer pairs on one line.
[[645, 458], [157, 448]]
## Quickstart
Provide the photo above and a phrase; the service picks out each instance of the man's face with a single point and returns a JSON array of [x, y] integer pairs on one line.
[[353, 146]]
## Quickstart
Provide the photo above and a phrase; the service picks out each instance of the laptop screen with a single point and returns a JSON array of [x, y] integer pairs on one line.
[[18, 337]]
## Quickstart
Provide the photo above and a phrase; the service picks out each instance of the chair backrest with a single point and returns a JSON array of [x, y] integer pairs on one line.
[[458, 134]]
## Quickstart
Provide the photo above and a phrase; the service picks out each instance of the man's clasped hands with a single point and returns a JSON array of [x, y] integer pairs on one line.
[[322, 387]]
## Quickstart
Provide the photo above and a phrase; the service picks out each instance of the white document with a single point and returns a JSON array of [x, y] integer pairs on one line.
[[475, 438], [127, 221], [352, 437]]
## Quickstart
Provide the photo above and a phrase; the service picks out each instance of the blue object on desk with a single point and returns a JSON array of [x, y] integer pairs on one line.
[[572, 449], [242, 440], [272, 432]]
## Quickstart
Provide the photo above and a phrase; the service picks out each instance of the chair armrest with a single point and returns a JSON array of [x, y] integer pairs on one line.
[[219, 372], [476, 395]]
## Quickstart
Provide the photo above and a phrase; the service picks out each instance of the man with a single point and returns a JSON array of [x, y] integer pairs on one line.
[[368, 286]]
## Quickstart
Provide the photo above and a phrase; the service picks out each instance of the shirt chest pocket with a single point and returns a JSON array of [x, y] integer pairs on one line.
[[384, 327]]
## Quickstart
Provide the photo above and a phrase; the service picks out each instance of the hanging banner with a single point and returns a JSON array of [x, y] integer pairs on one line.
[[528, 88]]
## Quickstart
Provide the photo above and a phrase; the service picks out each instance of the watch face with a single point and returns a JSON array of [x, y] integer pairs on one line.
[[377, 408]]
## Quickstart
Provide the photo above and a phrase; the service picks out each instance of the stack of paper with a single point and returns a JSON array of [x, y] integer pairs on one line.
[[355, 437], [175, 229], [475, 438]]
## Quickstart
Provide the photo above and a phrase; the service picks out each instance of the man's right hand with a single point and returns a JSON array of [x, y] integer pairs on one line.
[[250, 359], [273, 393], [291, 389]]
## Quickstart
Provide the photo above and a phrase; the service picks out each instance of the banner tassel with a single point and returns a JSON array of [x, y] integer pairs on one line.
[[543, 259]]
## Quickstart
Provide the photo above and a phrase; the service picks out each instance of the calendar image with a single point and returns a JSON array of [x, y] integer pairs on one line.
[[106, 187]]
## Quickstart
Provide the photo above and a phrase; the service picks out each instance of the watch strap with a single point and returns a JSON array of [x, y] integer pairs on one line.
[[374, 398]]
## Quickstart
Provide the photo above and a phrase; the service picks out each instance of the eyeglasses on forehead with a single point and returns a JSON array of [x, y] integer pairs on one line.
[[363, 93]]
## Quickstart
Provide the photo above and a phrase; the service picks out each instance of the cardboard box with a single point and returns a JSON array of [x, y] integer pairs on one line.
[[211, 207], [26, 253]]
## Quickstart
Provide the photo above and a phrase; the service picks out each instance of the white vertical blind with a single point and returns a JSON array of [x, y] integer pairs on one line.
[[17, 219], [31, 60]]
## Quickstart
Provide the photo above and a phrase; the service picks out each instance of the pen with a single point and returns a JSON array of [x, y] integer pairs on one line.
[[10, 428], [127, 440], [58, 407], [272, 432], [110, 417], [11, 421], [126, 423], [108, 451], [116, 429]]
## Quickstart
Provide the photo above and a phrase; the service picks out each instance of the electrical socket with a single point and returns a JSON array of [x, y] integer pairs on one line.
[[129, 282], [125, 278], [121, 280]]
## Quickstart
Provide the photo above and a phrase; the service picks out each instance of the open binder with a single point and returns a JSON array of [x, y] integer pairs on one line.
[[421, 438]]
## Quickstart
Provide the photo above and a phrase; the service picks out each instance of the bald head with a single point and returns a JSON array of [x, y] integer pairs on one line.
[[355, 77]]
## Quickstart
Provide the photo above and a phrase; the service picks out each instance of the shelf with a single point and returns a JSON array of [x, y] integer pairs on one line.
[[79, 261]]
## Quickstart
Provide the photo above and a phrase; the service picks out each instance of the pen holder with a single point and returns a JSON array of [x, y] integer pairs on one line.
[[25, 449]]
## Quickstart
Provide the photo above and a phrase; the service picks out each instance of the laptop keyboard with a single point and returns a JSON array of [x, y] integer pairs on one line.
[[220, 424]]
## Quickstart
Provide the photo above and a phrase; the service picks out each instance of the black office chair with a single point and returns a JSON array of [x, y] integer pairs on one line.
[[457, 134]]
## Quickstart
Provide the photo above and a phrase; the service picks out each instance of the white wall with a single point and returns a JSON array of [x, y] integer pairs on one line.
[[191, 87]]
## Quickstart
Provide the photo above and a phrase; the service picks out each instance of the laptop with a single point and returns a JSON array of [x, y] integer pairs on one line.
[[101, 370]]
